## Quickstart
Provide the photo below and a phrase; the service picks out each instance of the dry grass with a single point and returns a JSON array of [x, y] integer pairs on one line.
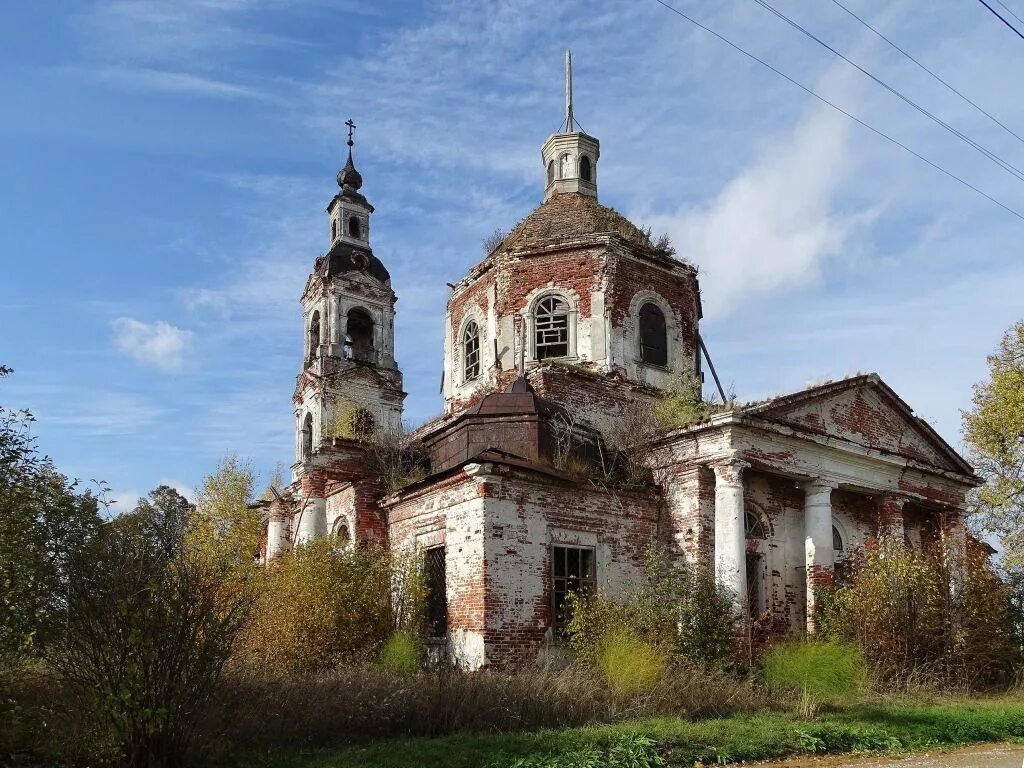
[[354, 705]]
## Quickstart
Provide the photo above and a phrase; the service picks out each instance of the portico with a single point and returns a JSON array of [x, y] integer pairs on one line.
[[796, 485]]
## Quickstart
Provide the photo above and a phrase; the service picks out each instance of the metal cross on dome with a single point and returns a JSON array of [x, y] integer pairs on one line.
[[351, 127]]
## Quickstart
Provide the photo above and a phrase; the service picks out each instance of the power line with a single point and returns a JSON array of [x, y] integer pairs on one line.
[[839, 109], [1000, 17], [1005, 165], [1010, 11], [935, 76]]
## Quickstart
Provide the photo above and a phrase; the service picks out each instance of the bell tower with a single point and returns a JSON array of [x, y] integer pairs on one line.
[[570, 156], [349, 384]]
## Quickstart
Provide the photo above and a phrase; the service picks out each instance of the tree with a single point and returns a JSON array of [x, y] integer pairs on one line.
[[994, 430], [45, 520], [324, 605], [147, 625], [226, 528]]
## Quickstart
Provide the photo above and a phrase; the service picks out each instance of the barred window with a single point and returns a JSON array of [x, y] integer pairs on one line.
[[471, 351], [653, 335], [437, 601], [573, 572], [551, 328]]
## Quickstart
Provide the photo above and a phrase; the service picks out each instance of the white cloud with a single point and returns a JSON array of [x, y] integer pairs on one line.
[[160, 344], [773, 225], [146, 79]]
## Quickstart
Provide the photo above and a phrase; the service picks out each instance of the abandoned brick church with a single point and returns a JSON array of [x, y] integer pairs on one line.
[[577, 317]]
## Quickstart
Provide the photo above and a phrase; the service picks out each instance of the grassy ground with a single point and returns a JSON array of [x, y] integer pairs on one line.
[[883, 726]]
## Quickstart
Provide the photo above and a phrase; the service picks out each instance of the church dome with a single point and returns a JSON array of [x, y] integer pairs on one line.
[[570, 216], [349, 176]]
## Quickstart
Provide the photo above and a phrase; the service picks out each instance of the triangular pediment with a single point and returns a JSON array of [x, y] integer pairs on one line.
[[866, 411]]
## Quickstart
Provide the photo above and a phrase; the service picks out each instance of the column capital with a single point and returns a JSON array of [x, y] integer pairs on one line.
[[819, 485], [892, 498], [729, 469]]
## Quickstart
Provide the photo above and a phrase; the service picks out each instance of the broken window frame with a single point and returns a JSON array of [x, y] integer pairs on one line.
[[552, 328], [653, 334], [471, 351], [573, 571]]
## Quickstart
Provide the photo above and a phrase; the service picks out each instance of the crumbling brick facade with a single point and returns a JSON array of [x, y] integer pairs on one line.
[[578, 317]]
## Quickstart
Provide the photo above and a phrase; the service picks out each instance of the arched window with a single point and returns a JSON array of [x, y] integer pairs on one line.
[[471, 351], [565, 166], [307, 437], [653, 335], [551, 328], [353, 226], [837, 540], [334, 230], [359, 335], [551, 171], [753, 526], [314, 334], [341, 532], [585, 168]]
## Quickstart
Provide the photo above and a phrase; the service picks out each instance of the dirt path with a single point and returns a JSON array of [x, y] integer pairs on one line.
[[989, 756]]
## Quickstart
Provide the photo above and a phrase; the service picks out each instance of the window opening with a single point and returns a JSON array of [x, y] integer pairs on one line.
[[653, 335], [307, 437], [471, 351], [585, 168], [437, 601], [753, 526], [573, 572], [359, 335], [551, 328]]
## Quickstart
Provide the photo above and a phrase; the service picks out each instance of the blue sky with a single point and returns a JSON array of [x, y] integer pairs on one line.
[[166, 167]]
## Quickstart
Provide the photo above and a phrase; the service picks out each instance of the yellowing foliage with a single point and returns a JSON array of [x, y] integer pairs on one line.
[[324, 605], [994, 429], [225, 530]]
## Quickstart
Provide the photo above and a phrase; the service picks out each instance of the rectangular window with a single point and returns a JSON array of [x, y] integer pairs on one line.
[[437, 599], [573, 571]]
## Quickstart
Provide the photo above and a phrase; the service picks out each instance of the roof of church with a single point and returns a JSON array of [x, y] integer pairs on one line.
[[344, 257], [570, 216]]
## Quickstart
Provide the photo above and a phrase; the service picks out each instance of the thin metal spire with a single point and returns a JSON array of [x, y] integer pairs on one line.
[[569, 121]]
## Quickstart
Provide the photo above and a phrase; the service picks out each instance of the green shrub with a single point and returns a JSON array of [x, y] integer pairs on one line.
[[322, 605], [818, 671], [627, 664], [675, 608], [681, 404], [402, 654], [897, 607]]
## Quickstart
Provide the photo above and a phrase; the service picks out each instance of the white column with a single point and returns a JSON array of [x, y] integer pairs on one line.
[[730, 535], [334, 325], [313, 522], [819, 557]]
